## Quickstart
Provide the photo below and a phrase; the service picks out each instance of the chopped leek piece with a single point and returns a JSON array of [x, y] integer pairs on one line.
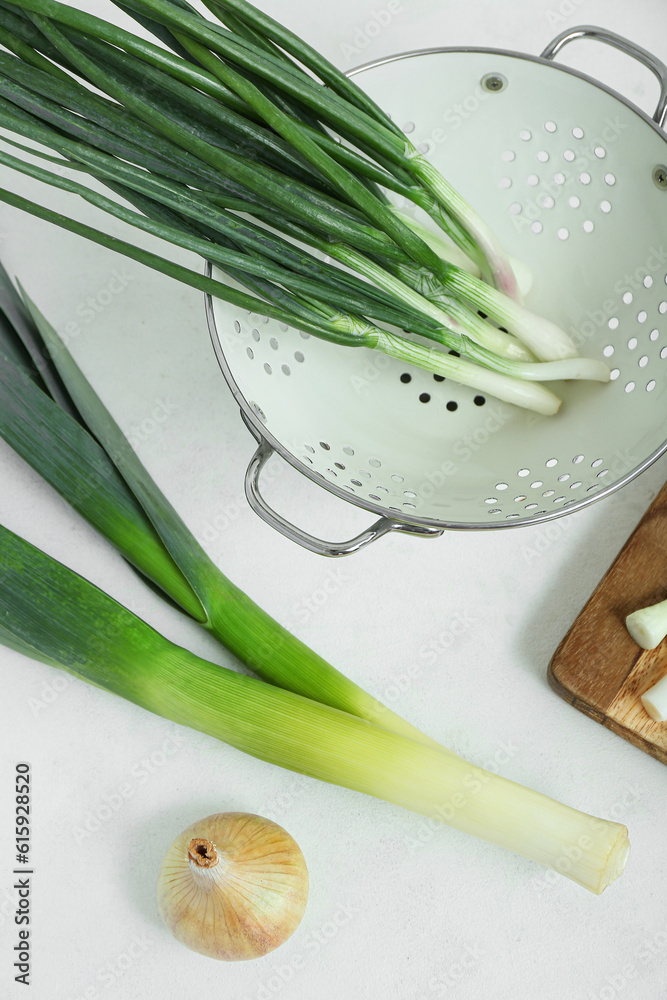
[[648, 626]]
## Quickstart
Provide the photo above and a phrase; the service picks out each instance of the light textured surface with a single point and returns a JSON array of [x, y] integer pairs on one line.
[[456, 633]]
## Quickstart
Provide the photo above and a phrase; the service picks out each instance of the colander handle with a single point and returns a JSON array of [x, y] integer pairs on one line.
[[301, 537], [625, 45]]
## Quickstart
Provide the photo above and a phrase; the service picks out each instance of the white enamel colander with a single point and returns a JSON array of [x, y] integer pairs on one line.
[[573, 178]]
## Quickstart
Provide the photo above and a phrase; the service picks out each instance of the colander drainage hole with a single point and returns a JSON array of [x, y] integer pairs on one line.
[[425, 397]]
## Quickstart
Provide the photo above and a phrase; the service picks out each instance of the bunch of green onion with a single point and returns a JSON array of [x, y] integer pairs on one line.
[[308, 717], [234, 139]]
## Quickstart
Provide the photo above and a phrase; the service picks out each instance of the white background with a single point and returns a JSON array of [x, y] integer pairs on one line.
[[397, 910]]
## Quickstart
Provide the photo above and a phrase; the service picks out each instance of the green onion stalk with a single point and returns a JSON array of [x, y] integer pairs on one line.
[[505, 379], [242, 152], [501, 382], [353, 332], [342, 329], [434, 193]]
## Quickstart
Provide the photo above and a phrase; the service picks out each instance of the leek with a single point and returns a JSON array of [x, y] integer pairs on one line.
[[50, 613], [124, 504]]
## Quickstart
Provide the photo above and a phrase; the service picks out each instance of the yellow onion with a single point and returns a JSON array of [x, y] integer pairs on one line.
[[233, 886]]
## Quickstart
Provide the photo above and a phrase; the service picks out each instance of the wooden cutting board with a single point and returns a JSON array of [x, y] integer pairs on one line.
[[598, 668]]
